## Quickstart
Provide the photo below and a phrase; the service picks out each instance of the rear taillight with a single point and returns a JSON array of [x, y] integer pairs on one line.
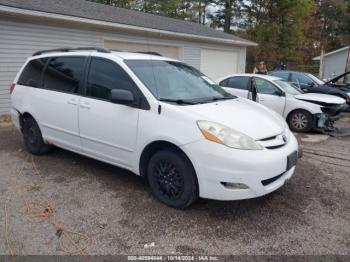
[[12, 87]]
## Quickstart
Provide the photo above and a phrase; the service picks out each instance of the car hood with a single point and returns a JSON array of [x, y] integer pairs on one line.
[[335, 79], [336, 88], [245, 116], [323, 98]]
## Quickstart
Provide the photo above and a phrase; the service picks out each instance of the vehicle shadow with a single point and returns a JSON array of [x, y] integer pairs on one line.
[[132, 188]]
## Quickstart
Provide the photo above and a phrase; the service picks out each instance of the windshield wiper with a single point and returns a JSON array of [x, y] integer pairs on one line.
[[222, 98], [177, 101]]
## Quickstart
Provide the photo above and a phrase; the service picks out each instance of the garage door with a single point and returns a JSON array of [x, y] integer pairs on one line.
[[168, 51], [217, 63]]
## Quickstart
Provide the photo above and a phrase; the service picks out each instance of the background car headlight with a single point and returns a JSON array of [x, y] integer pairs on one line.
[[227, 136]]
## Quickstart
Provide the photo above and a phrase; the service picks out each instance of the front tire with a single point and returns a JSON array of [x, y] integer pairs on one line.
[[172, 178], [33, 139], [300, 121]]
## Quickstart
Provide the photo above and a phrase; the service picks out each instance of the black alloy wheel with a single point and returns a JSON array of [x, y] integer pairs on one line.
[[172, 178], [33, 139]]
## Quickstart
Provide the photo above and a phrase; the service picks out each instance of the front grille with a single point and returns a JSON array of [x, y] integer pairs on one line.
[[273, 142], [333, 110], [268, 138], [271, 180], [274, 147]]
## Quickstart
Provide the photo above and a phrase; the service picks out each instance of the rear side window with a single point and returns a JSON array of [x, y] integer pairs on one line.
[[64, 74], [224, 82], [31, 74], [238, 82], [282, 74], [300, 78], [105, 76]]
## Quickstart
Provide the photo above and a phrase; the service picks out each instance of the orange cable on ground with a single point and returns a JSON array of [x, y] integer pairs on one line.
[[40, 210]]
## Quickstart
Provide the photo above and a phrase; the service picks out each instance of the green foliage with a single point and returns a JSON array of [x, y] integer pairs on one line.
[[278, 28], [330, 16], [228, 13]]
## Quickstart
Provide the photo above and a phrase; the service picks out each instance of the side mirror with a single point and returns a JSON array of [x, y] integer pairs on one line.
[[281, 93], [121, 96]]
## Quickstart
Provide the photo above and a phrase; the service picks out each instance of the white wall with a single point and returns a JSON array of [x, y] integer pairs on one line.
[[334, 64], [19, 40]]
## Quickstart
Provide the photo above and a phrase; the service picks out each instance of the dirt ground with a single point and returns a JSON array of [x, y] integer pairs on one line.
[[310, 215]]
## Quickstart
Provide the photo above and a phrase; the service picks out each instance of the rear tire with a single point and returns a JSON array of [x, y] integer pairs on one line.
[[33, 139], [300, 121], [172, 178]]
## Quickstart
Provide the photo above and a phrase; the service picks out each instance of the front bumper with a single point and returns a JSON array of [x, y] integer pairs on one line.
[[347, 107], [324, 121], [217, 165]]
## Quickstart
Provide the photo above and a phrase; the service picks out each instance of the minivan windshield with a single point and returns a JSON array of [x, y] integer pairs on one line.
[[172, 81], [288, 88]]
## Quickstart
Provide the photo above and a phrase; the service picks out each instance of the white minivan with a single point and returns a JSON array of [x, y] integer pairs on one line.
[[155, 116]]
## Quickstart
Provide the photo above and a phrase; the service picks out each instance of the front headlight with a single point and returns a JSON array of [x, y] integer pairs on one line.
[[227, 136]]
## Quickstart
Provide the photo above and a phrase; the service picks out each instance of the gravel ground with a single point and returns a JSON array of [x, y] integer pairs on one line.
[[310, 215]]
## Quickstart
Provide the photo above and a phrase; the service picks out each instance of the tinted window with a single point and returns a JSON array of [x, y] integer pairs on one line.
[[238, 82], [64, 74], [32, 73], [289, 88], [265, 87], [106, 75], [282, 74], [301, 78], [224, 82]]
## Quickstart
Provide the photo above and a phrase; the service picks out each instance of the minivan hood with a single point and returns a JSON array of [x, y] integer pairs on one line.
[[323, 98], [245, 116]]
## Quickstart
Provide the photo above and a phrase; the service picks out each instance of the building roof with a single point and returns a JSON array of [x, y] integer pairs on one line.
[[332, 53], [91, 10]]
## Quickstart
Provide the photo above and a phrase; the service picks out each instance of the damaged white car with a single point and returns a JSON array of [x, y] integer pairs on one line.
[[302, 111]]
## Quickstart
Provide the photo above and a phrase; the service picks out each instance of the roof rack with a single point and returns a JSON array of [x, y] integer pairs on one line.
[[149, 53], [70, 49]]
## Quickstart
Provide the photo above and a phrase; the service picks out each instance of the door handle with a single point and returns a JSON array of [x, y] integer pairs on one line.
[[72, 102], [85, 105], [261, 99]]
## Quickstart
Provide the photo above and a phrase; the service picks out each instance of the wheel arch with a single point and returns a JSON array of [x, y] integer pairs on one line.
[[154, 147], [308, 127], [299, 109], [23, 116]]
